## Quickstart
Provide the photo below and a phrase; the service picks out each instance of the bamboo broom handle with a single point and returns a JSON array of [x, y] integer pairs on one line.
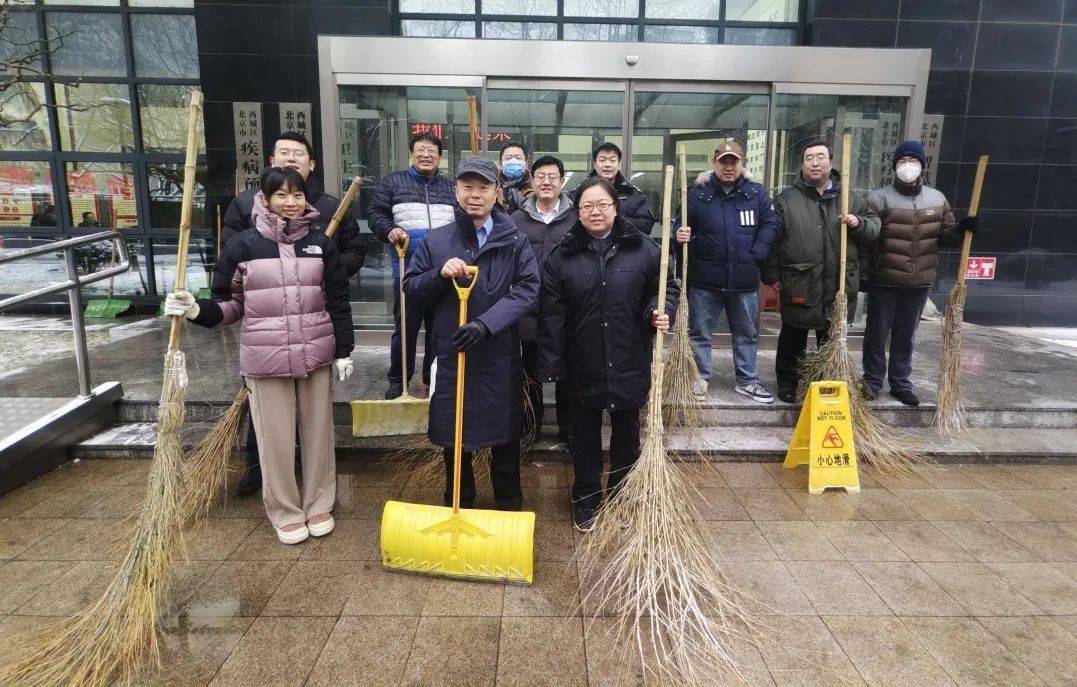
[[473, 116], [663, 264], [846, 181], [682, 157], [974, 209], [186, 209], [342, 209]]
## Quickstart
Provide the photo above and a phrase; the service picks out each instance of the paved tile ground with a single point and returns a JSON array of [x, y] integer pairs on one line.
[[964, 575]]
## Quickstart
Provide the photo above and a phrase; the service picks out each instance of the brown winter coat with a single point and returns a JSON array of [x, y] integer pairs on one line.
[[915, 221]]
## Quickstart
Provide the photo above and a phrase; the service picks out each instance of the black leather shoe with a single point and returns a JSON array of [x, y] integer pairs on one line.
[[583, 517], [250, 483], [396, 390], [787, 395], [867, 393], [906, 397]]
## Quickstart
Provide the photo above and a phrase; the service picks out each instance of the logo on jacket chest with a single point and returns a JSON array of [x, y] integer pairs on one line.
[[312, 250]]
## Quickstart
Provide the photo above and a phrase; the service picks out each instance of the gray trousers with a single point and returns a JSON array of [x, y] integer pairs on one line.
[[276, 402], [893, 313]]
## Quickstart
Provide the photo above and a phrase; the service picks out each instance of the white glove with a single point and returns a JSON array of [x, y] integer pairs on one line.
[[180, 303], [344, 368]]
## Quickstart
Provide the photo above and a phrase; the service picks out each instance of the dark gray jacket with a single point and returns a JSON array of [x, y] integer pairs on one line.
[[544, 238]]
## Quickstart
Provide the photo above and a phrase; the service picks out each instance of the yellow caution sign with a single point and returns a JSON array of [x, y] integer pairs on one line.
[[823, 440]]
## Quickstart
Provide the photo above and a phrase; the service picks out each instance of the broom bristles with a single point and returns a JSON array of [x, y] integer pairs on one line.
[[117, 633], [680, 407], [206, 467], [651, 568], [877, 445], [950, 416]]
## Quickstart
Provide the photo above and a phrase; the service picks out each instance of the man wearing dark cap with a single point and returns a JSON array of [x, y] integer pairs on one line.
[[506, 288], [632, 203], [731, 226], [901, 267]]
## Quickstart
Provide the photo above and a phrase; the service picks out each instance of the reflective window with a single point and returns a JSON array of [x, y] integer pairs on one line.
[[762, 10], [438, 6], [24, 118], [438, 28], [88, 3], [26, 195], [166, 196], [164, 46], [161, 3], [601, 32], [164, 112], [737, 35], [98, 256], [94, 117], [86, 44], [680, 34], [200, 259], [528, 30], [18, 39], [877, 125], [602, 8], [699, 122], [520, 7], [675, 9], [28, 274], [101, 194]]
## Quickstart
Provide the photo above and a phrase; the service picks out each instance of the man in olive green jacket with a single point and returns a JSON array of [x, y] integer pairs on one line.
[[806, 255]]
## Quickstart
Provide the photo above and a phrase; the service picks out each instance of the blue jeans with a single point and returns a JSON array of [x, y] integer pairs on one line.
[[742, 311]]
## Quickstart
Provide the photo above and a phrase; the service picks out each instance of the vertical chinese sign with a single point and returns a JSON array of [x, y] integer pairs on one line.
[[121, 191], [247, 121], [81, 193], [931, 139], [295, 117], [16, 203]]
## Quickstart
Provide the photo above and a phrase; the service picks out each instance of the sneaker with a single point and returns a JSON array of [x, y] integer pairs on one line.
[[787, 395], [251, 482], [755, 391], [320, 529], [583, 517], [396, 390], [700, 389], [295, 536], [906, 397]]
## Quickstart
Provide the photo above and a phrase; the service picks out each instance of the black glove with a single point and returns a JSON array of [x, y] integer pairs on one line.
[[470, 334], [970, 223]]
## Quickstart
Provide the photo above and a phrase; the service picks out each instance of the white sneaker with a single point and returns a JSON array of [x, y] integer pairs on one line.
[[700, 389], [755, 391], [293, 537], [320, 529]]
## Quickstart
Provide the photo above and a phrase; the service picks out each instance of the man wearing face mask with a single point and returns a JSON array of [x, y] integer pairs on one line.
[[515, 179], [903, 263]]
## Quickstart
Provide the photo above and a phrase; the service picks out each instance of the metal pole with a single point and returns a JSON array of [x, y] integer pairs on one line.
[[74, 296]]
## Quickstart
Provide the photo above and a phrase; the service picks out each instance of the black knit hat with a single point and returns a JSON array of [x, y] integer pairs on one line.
[[910, 149]]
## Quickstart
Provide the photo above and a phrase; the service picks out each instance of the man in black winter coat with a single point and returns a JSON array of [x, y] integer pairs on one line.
[[506, 287], [544, 218], [293, 150], [632, 204]]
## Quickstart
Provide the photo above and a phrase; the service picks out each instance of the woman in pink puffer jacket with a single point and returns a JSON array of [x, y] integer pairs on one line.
[[287, 285]]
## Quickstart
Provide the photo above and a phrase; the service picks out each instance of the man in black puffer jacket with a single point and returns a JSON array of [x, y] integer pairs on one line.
[[293, 150], [633, 206]]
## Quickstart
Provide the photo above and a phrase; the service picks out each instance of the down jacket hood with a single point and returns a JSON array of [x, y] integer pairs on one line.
[[278, 229]]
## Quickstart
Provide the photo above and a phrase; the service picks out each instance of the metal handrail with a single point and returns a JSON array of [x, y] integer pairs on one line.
[[74, 283]]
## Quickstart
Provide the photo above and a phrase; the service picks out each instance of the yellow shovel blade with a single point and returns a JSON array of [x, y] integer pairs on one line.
[[488, 545], [389, 418]]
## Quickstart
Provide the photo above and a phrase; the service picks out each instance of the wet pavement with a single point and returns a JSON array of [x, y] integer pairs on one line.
[[963, 575]]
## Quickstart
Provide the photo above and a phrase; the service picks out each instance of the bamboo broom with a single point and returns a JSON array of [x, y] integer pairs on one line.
[[113, 636], [876, 443], [681, 407], [650, 563], [950, 417], [206, 466], [473, 123]]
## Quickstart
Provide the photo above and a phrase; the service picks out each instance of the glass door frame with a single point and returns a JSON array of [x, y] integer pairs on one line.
[[627, 67]]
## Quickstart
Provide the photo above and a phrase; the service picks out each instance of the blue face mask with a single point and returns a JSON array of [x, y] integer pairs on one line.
[[513, 169]]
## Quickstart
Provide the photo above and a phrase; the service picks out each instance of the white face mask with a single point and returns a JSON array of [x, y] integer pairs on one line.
[[908, 171]]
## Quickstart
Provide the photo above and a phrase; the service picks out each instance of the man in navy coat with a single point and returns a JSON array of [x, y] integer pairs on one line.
[[731, 226]]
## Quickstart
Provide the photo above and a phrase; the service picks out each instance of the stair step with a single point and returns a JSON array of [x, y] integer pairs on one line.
[[752, 443]]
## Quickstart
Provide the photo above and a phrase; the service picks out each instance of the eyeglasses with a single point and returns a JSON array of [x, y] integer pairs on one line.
[[425, 152], [817, 157], [547, 177], [589, 207], [294, 152]]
